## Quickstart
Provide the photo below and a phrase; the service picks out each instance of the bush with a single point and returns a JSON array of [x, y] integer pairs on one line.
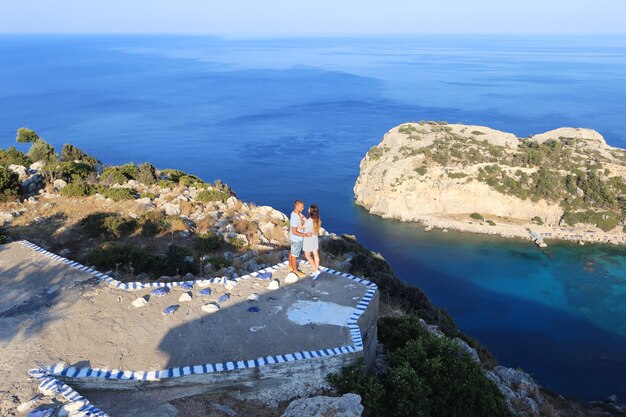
[[212, 195], [166, 184], [219, 262], [375, 153], [491, 223], [154, 223], [428, 376], [537, 220], [77, 189], [236, 243], [114, 255], [71, 153], [477, 216], [148, 194], [421, 170], [147, 174], [108, 225], [9, 185], [74, 171], [26, 135], [207, 242], [12, 156], [456, 175], [118, 194], [42, 151], [3, 237], [119, 174]]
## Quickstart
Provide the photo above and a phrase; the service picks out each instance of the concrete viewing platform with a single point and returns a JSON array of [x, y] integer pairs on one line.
[[256, 334]]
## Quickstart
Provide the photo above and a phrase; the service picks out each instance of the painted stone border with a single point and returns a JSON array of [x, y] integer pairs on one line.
[[53, 385], [60, 370]]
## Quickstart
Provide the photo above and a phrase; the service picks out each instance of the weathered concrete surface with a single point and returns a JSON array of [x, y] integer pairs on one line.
[[51, 313]]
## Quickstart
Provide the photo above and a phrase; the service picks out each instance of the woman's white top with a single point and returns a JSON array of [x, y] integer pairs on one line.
[[310, 243]]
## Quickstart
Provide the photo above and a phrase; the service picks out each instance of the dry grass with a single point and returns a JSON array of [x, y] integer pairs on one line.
[[249, 229], [205, 225], [187, 208]]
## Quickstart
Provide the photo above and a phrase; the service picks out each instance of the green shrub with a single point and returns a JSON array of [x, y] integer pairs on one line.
[[428, 376], [147, 174], [148, 194], [12, 156], [181, 177], [537, 220], [478, 133], [375, 153], [119, 174], [212, 195], [114, 255], [74, 171], [26, 135], [118, 194], [9, 185], [154, 222], [71, 153], [236, 243], [76, 189], [3, 237], [207, 242], [421, 170], [108, 225], [41, 150], [456, 175], [491, 223], [219, 262], [166, 184], [353, 379], [477, 216], [604, 220]]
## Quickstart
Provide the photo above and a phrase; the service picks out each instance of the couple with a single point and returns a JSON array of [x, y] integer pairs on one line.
[[303, 234]]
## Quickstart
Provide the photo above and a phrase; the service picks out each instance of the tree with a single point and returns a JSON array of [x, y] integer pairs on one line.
[[42, 151], [71, 153], [147, 174], [9, 185], [26, 135]]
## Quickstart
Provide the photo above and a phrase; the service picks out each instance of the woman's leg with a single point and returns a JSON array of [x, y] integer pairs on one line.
[[308, 257], [316, 255]]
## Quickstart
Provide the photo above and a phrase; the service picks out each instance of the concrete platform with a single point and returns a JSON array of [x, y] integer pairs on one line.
[[53, 310]]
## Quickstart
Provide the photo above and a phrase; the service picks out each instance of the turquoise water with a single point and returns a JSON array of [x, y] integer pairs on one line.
[[284, 118]]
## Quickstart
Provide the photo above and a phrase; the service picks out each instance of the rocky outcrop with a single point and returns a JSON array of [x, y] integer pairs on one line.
[[440, 174], [348, 405]]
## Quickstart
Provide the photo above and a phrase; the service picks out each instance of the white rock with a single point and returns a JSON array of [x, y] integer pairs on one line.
[[59, 184], [274, 285], [253, 297], [36, 166], [29, 405], [171, 209], [186, 296], [203, 283], [19, 170], [211, 308], [230, 284], [71, 409], [291, 278], [139, 302]]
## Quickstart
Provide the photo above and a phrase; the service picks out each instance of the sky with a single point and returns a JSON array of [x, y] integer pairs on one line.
[[314, 17]]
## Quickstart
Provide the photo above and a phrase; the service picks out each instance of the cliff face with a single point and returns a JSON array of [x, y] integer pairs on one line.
[[425, 171]]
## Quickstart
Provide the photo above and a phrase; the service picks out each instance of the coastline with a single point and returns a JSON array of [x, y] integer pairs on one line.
[[464, 224]]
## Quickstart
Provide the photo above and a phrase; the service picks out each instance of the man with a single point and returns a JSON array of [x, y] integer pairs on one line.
[[296, 236]]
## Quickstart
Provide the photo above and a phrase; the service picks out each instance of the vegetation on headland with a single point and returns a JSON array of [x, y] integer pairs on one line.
[[572, 172]]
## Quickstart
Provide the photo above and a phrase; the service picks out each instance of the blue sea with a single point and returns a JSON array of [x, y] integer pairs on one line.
[[280, 119]]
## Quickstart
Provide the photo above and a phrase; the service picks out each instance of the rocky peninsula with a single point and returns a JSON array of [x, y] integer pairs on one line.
[[563, 184]]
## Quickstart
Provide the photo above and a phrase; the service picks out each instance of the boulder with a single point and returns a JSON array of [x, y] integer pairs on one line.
[[348, 405], [58, 185], [171, 209], [19, 170]]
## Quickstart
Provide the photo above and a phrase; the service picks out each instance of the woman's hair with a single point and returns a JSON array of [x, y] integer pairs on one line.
[[314, 211]]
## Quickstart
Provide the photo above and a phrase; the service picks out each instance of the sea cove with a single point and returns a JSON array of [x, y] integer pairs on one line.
[[264, 114]]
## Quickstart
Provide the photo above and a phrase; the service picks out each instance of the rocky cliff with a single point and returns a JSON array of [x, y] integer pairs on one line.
[[479, 179]]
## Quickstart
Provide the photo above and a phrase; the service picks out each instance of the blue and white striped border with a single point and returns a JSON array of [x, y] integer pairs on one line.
[[88, 410], [136, 285], [116, 374]]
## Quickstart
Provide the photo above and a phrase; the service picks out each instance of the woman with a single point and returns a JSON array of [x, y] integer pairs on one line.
[[310, 246]]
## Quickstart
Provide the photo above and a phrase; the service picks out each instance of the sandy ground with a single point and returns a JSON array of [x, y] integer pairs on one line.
[[51, 313]]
